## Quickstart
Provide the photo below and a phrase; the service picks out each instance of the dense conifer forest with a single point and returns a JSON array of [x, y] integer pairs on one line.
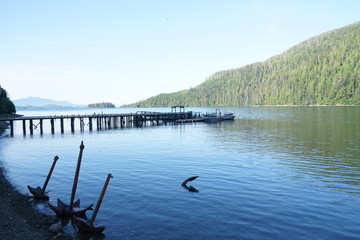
[[324, 70], [6, 105]]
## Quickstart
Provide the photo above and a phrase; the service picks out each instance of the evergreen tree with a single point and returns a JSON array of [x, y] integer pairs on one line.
[[6, 106]]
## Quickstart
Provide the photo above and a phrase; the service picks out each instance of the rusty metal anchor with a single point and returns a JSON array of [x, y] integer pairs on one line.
[[73, 208], [88, 227], [39, 192]]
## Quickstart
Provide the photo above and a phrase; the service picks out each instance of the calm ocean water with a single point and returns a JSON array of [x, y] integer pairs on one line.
[[273, 173]]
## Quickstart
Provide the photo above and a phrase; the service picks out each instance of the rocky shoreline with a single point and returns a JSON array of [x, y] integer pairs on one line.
[[18, 218]]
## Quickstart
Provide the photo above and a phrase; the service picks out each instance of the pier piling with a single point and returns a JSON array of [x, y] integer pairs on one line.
[[90, 124], [72, 122], [11, 127], [24, 127], [31, 125], [62, 125], [52, 122], [41, 127]]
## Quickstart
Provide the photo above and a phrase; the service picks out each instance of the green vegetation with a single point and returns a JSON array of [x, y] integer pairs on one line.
[[324, 70], [6, 106], [101, 105]]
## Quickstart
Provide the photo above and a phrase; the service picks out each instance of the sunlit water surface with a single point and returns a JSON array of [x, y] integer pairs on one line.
[[273, 173]]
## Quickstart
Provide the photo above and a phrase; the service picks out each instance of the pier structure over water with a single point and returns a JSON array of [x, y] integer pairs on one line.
[[92, 121]]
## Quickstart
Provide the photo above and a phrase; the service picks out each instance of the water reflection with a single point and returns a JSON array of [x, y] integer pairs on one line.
[[315, 144], [273, 173]]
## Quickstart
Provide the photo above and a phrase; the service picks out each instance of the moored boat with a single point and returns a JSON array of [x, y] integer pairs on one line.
[[218, 117], [228, 116], [209, 117], [213, 119]]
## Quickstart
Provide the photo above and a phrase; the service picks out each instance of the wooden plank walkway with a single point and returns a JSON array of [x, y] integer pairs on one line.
[[103, 121]]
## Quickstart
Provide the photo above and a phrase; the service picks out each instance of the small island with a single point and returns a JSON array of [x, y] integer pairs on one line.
[[101, 105]]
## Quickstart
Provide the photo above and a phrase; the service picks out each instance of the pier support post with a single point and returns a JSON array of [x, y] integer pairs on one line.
[[31, 127], [11, 128], [62, 125], [41, 127], [109, 122], [157, 120], [134, 121], [90, 124], [121, 121], [72, 123], [52, 126], [116, 122], [24, 126], [82, 124], [98, 123]]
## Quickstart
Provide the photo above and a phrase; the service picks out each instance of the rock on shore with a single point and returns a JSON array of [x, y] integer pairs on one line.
[[18, 219]]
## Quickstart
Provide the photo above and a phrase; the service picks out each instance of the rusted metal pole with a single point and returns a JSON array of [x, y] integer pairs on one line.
[[76, 177], [49, 175], [91, 222]]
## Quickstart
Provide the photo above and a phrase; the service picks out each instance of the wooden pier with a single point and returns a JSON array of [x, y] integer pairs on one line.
[[98, 121]]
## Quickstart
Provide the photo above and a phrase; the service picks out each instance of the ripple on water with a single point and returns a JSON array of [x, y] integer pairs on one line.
[[266, 175]]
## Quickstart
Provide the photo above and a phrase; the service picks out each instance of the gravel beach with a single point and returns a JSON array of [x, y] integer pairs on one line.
[[19, 220]]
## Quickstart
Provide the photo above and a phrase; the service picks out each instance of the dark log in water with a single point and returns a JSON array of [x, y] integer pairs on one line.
[[191, 188]]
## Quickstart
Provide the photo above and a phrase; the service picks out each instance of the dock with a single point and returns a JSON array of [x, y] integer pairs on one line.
[[98, 121]]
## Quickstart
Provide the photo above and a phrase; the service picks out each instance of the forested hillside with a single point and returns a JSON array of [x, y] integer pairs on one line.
[[323, 70], [6, 106]]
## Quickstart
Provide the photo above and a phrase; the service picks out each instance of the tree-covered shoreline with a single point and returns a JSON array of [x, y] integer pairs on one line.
[[324, 70], [6, 105]]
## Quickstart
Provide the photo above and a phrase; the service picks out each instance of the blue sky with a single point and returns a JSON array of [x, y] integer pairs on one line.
[[89, 51]]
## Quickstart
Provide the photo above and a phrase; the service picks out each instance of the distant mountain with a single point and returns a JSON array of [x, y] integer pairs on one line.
[[323, 70], [36, 102]]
